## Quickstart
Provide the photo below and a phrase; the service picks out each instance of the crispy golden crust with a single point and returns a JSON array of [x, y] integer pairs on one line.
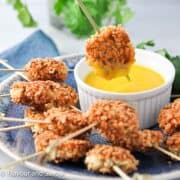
[[102, 158], [111, 47], [169, 117], [30, 113], [173, 143], [68, 121], [64, 120], [34, 114], [70, 150], [145, 140], [42, 94], [115, 118], [46, 69]]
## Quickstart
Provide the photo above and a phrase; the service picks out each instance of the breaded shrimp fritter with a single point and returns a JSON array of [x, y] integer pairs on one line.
[[63, 120], [42, 94], [146, 139], [46, 69], [116, 119], [70, 150], [173, 143], [102, 158], [169, 117], [110, 49]]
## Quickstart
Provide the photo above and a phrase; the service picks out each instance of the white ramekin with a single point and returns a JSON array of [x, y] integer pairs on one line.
[[147, 103]]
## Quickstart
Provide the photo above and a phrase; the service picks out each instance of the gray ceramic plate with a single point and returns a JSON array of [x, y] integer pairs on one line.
[[20, 142]]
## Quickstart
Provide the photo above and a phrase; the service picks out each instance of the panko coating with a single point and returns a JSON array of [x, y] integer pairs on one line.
[[43, 94], [173, 143], [68, 121], [63, 120], [102, 158], [46, 69], [34, 114], [70, 150], [110, 49], [146, 139], [169, 117], [115, 119]]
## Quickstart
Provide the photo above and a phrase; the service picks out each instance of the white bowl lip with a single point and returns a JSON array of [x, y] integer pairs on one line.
[[146, 93]]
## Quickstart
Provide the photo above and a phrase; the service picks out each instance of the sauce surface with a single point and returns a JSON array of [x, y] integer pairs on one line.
[[141, 79]]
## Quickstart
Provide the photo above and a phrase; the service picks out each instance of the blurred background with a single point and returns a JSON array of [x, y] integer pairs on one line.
[[157, 20]]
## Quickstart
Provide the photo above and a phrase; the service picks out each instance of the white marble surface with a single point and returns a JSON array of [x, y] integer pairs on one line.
[[156, 19]]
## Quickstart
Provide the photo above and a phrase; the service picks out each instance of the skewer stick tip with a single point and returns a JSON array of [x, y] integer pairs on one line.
[[5, 95], [50, 147], [170, 154], [15, 127], [121, 173]]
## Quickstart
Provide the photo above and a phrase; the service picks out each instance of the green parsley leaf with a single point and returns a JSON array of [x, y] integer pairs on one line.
[[100, 10], [176, 62], [58, 6], [143, 45], [23, 13], [25, 17], [127, 14], [75, 19], [164, 53], [176, 86]]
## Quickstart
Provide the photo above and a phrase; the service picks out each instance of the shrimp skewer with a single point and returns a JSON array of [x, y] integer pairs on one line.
[[43, 69], [110, 159], [63, 120], [118, 124], [51, 147], [118, 114], [110, 51], [43, 94], [169, 117]]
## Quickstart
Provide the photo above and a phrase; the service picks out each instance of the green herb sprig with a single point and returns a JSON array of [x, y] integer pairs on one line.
[[114, 12], [23, 13], [144, 45]]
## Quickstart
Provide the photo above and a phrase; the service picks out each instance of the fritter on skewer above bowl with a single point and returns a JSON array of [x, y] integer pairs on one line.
[[110, 52]]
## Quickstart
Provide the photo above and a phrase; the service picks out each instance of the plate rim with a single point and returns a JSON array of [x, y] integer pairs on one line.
[[63, 174]]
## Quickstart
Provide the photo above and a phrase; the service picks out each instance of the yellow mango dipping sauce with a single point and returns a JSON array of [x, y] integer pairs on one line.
[[142, 79]]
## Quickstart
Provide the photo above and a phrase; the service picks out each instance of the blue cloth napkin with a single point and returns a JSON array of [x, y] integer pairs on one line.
[[36, 45]]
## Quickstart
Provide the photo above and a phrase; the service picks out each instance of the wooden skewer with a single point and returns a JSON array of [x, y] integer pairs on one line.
[[4, 63], [48, 150], [14, 163], [121, 173], [172, 155], [11, 119], [11, 70], [15, 127], [5, 95], [89, 17]]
